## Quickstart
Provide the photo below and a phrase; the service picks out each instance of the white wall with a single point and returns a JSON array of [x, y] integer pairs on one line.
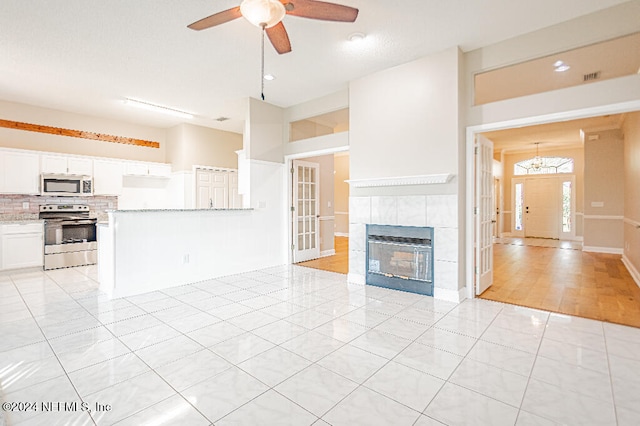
[[190, 145], [264, 137], [404, 120]]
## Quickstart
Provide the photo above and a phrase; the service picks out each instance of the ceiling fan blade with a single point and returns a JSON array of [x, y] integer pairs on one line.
[[279, 38], [313, 9], [216, 19]]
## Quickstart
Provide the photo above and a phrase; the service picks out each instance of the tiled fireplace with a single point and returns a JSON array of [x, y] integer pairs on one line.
[[439, 212]]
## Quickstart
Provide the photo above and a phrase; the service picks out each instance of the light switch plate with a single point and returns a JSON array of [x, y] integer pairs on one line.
[[597, 204], [25, 205]]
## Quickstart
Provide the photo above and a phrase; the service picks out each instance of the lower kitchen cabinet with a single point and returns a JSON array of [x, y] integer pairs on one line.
[[22, 245]]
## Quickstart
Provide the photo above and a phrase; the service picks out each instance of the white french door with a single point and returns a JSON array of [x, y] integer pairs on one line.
[[305, 208], [485, 213]]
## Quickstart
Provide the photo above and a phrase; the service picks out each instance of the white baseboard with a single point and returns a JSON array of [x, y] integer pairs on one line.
[[607, 250], [635, 274], [356, 278], [326, 253], [455, 296], [340, 234]]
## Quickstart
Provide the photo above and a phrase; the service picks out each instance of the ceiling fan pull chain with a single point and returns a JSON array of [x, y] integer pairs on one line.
[[262, 67]]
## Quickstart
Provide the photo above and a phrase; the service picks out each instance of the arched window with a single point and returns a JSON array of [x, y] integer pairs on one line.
[[543, 166]]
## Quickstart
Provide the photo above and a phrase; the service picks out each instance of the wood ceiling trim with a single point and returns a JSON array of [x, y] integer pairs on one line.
[[77, 134]]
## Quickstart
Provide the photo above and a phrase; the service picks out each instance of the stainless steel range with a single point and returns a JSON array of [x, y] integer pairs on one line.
[[69, 236]]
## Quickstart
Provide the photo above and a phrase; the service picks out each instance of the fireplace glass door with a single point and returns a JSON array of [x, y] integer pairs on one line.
[[400, 257]]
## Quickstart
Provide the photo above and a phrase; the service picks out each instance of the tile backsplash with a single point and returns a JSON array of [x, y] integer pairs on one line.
[[27, 207]]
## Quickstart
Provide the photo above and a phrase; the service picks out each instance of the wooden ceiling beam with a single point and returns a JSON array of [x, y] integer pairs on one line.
[[76, 133]]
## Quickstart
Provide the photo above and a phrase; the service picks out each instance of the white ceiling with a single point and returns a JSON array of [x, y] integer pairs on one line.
[[86, 56]]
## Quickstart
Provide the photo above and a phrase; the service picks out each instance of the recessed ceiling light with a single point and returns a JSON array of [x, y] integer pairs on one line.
[[269, 77], [356, 37], [562, 68], [558, 63], [157, 108]]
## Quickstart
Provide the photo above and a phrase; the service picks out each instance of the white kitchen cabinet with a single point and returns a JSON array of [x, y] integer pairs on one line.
[[107, 177], [22, 245], [60, 164], [148, 169], [19, 172]]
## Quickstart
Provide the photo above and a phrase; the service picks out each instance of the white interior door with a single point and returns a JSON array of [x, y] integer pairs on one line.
[[204, 195], [212, 189], [542, 208], [235, 199], [305, 206], [485, 205], [220, 189]]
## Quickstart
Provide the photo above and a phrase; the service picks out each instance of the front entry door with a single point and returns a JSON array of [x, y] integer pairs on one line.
[[541, 207], [305, 207]]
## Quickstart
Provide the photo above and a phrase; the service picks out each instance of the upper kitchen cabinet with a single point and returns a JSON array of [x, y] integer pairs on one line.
[[107, 177], [19, 172], [148, 169], [58, 164]]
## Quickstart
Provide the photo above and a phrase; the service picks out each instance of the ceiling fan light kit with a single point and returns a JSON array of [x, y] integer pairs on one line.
[[263, 13]]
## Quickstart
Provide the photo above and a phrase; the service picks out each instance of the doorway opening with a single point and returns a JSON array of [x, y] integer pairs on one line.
[[539, 249], [319, 208]]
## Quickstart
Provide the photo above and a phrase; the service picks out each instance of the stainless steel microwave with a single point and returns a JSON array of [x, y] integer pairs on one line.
[[66, 185]]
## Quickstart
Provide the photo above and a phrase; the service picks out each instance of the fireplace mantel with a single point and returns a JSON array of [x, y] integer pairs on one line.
[[401, 181]]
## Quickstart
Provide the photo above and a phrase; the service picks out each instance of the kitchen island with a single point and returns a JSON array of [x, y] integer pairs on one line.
[[145, 250]]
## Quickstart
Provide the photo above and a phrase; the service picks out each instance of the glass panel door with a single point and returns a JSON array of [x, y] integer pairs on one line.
[[305, 211]]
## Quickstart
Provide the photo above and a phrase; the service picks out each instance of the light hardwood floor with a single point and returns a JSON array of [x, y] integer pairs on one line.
[[573, 282], [339, 262]]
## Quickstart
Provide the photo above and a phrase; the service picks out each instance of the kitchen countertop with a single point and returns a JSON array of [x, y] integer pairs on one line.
[[177, 210]]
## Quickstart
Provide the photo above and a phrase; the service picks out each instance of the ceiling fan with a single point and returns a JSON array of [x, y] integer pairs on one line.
[[268, 14]]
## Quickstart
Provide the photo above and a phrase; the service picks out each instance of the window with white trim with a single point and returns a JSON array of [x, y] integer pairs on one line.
[[543, 166]]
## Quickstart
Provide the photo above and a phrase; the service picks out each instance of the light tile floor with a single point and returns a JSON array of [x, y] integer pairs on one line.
[[297, 346]]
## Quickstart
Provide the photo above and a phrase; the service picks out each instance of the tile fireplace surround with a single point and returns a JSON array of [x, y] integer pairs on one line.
[[437, 211]]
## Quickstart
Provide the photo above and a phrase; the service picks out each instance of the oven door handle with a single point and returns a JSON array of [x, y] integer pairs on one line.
[[78, 222]]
